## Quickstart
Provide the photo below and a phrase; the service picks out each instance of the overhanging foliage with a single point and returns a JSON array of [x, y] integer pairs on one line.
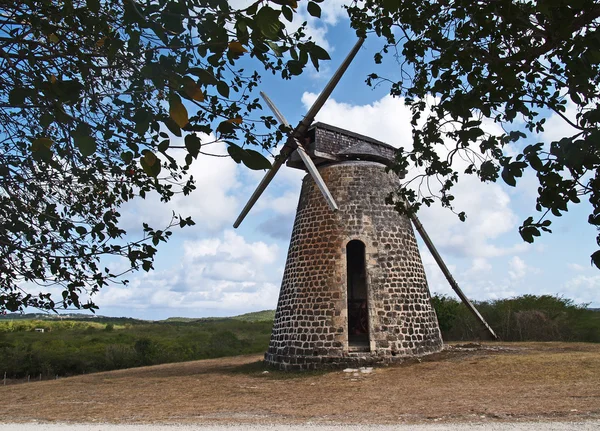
[[88, 91], [509, 62]]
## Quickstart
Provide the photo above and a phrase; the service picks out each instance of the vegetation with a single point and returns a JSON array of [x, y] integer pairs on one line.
[[481, 79], [262, 316], [88, 345], [524, 318], [102, 102]]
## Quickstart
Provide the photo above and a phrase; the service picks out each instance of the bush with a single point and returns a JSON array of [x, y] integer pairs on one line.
[[74, 347], [524, 318]]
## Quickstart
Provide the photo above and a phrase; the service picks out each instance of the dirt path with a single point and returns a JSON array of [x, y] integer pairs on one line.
[[490, 426], [500, 383]]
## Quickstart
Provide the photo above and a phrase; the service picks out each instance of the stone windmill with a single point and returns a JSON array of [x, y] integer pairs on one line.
[[354, 290]]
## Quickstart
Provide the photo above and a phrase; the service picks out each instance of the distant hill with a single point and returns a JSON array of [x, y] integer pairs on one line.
[[257, 316], [180, 319], [72, 316]]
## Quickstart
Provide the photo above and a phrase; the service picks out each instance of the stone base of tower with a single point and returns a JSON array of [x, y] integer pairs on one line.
[[348, 359]]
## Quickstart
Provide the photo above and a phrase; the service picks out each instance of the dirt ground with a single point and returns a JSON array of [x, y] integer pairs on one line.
[[494, 382]]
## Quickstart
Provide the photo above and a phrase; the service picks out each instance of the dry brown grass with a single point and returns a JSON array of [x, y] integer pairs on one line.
[[524, 381]]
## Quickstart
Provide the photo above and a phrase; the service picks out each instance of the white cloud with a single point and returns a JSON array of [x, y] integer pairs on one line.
[[284, 204], [387, 119], [583, 289], [476, 282], [211, 205], [331, 12], [232, 247], [576, 267], [517, 268], [480, 265], [225, 273]]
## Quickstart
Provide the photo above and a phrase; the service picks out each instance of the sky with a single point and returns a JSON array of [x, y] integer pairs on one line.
[[212, 269]]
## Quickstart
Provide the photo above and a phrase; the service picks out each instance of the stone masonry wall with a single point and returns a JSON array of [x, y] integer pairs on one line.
[[310, 328], [331, 140]]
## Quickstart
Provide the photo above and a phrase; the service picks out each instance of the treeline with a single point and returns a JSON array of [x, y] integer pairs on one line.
[[524, 318], [76, 347]]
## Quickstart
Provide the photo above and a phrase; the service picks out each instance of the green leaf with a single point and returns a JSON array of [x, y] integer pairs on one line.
[[163, 145], [142, 121], [596, 258], [40, 144], [267, 21], [160, 32], [288, 13], [223, 89], [508, 177], [255, 160], [151, 170], [226, 128], [87, 145], [127, 156], [295, 67], [275, 48], [46, 119], [83, 139], [172, 126], [528, 232], [314, 9], [252, 159], [192, 144], [40, 149], [149, 157], [235, 152], [391, 5], [319, 53]]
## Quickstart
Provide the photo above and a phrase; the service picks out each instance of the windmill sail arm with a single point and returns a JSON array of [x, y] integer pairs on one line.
[[301, 128], [308, 163], [299, 132], [448, 275], [312, 169], [279, 161]]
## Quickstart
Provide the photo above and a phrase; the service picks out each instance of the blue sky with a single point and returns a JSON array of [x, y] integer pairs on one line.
[[211, 269]]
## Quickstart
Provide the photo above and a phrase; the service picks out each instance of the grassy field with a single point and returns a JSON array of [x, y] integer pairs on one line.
[[78, 344], [497, 382], [68, 347]]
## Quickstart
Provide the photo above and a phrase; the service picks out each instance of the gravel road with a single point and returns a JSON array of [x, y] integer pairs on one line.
[[488, 426]]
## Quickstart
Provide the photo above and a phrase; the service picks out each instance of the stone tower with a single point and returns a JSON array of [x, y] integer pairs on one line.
[[354, 290]]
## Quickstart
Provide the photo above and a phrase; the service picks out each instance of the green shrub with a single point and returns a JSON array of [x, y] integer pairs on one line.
[[524, 318], [73, 347]]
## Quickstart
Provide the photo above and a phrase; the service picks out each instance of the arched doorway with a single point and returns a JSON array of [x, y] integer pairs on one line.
[[358, 311]]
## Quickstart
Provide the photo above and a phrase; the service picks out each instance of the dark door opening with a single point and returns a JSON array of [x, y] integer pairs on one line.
[[358, 314]]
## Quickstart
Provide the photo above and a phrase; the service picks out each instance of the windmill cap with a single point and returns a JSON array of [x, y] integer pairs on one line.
[[329, 144]]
